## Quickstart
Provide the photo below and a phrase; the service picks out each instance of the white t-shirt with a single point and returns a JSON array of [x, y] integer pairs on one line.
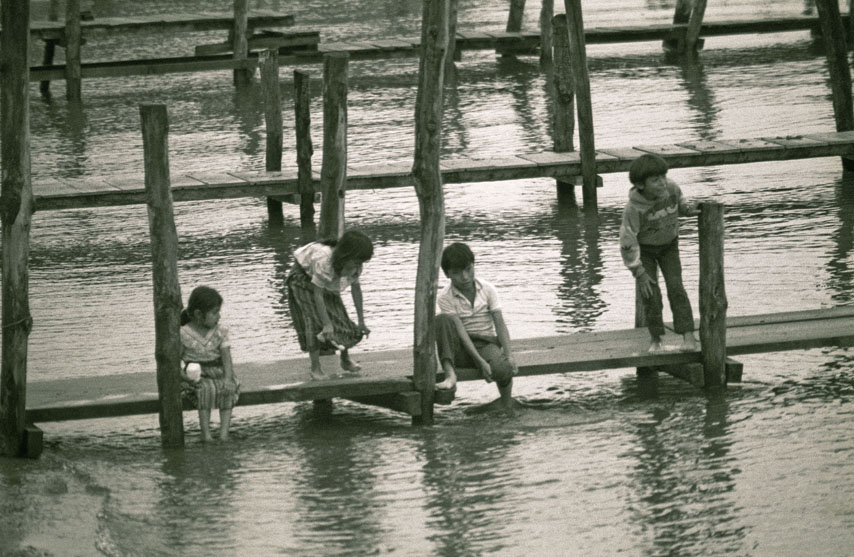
[[476, 317]]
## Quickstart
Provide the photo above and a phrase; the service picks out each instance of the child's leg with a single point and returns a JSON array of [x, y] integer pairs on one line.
[[316, 370], [653, 304], [205, 423], [224, 423], [502, 372], [680, 304], [348, 364], [447, 345]]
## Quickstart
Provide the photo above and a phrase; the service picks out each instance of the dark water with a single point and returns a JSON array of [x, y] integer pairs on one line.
[[595, 464]]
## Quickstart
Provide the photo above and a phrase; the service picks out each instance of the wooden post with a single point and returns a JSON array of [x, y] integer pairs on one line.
[[578, 60], [302, 105], [269, 62], [164, 258], [333, 169], [240, 41], [681, 16], [49, 45], [514, 23], [72, 51], [695, 23], [564, 102], [427, 179], [451, 54], [546, 41], [16, 208], [833, 34], [713, 301]]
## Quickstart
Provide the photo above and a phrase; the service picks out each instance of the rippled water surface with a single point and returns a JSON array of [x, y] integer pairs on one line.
[[596, 463]]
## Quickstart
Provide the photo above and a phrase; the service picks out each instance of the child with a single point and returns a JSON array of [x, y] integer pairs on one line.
[[649, 238], [470, 328], [321, 271], [205, 342]]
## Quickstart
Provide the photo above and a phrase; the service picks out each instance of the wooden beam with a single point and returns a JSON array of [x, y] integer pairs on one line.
[[302, 119], [240, 41], [713, 300], [72, 51], [333, 169], [269, 61], [836, 50], [695, 23], [563, 124], [408, 403], [546, 31]]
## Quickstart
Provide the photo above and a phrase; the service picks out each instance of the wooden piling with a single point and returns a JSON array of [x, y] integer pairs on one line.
[[72, 51], [563, 125], [578, 61], [695, 23], [681, 16], [269, 62], [240, 41], [427, 179], [302, 105], [452, 53], [333, 170], [514, 23], [16, 208], [713, 301], [833, 35], [546, 37], [164, 258], [49, 46]]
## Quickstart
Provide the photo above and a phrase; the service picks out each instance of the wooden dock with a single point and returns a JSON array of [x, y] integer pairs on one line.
[[55, 193], [400, 47], [386, 377]]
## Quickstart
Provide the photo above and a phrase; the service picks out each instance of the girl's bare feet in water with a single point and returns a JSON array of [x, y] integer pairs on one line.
[[655, 346], [689, 343], [348, 365], [317, 374]]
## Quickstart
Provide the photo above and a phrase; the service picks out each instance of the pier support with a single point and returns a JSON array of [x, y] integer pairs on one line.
[[164, 258], [269, 62], [681, 15], [240, 41], [72, 51], [427, 178], [302, 114], [547, 11], [563, 125], [333, 170], [16, 208], [713, 300], [453, 53], [695, 23], [833, 35]]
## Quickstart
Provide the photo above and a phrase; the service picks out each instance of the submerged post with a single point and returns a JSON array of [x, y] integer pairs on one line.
[[240, 41], [427, 178], [564, 105], [713, 301], [49, 45], [514, 23], [452, 53], [16, 208], [681, 15], [333, 169], [695, 24], [269, 61], [833, 34], [302, 105], [546, 37], [72, 51], [164, 259], [578, 59]]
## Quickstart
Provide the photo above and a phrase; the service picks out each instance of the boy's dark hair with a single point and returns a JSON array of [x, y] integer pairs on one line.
[[202, 298], [645, 166], [456, 256], [351, 246]]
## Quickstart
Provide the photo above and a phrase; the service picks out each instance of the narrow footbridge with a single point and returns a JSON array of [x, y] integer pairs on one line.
[[386, 377]]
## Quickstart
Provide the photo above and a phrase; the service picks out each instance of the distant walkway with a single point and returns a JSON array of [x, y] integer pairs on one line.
[[130, 189]]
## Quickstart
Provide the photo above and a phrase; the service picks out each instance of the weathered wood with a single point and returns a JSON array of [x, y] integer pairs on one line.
[[72, 51], [240, 38], [581, 79], [563, 126], [515, 16], [452, 54], [427, 179], [16, 208], [269, 62], [734, 371], [164, 258], [282, 42], [408, 403], [836, 50], [695, 23], [33, 441], [681, 15], [49, 46], [713, 300], [546, 31], [333, 170], [302, 118]]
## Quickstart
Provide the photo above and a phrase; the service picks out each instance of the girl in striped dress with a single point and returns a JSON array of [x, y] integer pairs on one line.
[[320, 273], [204, 341]]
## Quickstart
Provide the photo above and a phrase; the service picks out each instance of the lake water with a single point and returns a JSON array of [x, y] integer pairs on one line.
[[595, 463]]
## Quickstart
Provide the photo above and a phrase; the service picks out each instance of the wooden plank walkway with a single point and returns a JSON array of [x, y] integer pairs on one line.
[[399, 47], [388, 372], [60, 193]]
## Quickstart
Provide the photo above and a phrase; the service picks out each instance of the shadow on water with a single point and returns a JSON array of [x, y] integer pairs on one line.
[[839, 265]]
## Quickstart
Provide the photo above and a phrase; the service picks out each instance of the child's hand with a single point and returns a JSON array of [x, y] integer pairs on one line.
[[485, 369], [512, 361], [645, 284], [364, 330], [692, 208]]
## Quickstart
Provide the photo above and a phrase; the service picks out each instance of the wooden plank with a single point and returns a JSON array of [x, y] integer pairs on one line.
[[408, 403], [835, 137], [52, 187], [707, 147], [468, 170], [791, 141], [667, 150], [790, 336]]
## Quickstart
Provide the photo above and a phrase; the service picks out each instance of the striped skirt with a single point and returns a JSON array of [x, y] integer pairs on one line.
[[306, 319], [210, 390]]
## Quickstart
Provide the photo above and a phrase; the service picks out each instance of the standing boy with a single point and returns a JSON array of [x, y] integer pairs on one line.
[[470, 328], [649, 239]]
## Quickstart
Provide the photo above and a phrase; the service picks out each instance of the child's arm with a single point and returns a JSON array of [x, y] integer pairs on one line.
[[469, 346], [504, 338], [227, 367], [356, 291], [630, 250], [686, 208]]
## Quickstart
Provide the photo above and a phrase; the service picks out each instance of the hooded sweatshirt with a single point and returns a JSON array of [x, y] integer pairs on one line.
[[649, 222]]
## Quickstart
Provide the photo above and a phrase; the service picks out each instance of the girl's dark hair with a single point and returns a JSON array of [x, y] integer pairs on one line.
[[456, 256], [351, 246], [202, 298], [645, 166]]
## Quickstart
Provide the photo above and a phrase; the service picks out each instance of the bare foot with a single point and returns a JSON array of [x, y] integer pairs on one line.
[[317, 374], [655, 347], [689, 343], [449, 383], [223, 436], [207, 439], [349, 365]]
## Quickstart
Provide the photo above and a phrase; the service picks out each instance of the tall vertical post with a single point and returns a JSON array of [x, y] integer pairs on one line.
[[695, 24], [72, 51], [240, 41], [451, 54], [578, 59], [833, 34], [427, 178], [49, 45], [514, 22], [546, 38], [333, 169], [164, 259], [713, 301], [564, 103], [681, 15], [16, 208], [269, 62], [302, 113]]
